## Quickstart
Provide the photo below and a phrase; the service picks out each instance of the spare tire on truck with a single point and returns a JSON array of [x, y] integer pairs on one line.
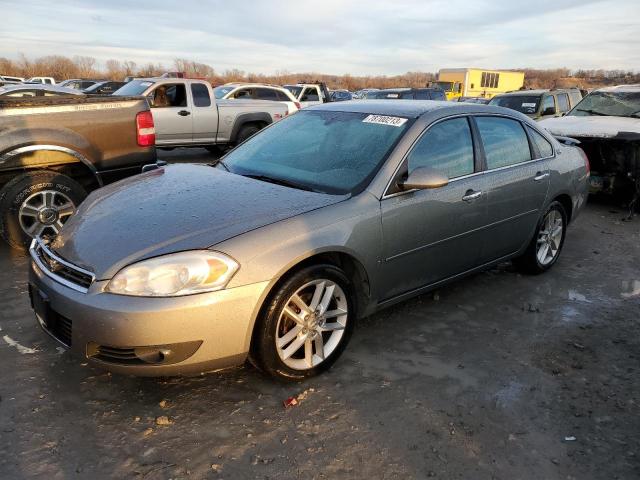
[[37, 203]]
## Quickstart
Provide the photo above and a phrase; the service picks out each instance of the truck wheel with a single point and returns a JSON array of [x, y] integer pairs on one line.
[[246, 132], [37, 204]]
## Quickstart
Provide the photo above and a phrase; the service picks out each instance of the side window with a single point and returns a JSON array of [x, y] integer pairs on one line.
[[422, 95], [200, 94], [446, 147], [310, 95], [548, 102], [170, 95], [544, 147], [282, 97], [266, 94], [244, 94], [23, 93], [505, 141], [563, 102], [406, 95], [437, 95]]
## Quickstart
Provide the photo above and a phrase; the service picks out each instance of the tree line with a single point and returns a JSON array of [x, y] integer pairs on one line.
[[61, 67]]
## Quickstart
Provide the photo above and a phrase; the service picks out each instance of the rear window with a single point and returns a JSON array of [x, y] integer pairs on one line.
[[134, 88], [200, 94]]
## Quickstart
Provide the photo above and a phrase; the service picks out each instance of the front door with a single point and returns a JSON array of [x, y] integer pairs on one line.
[[431, 235], [171, 114], [516, 183]]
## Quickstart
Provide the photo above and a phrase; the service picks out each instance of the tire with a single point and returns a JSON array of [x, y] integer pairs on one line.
[[37, 203], [530, 262], [274, 325], [246, 132]]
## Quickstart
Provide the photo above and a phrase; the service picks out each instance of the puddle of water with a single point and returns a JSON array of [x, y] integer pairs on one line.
[[578, 297]]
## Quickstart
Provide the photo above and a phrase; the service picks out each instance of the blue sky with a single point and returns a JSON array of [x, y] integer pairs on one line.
[[331, 36]]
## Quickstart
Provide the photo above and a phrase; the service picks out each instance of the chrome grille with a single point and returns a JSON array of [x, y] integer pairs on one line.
[[59, 269]]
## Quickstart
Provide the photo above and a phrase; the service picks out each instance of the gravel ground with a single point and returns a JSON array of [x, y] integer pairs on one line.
[[499, 376]]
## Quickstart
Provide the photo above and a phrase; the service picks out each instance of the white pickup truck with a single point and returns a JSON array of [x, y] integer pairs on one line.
[[308, 94], [187, 114]]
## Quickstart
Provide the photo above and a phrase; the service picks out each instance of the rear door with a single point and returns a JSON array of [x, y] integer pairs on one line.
[[171, 114], [205, 114], [516, 181], [430, 235]]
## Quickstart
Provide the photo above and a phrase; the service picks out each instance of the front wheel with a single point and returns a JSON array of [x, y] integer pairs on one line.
[[37, 204], [547, 242], [305, 325]]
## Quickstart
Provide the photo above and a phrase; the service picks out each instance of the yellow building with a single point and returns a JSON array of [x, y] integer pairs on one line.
[[477, 82]]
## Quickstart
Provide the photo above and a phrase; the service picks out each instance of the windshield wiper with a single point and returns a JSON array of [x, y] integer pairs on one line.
[[280, 181], [220, 162], [635, 114], [592, 112]]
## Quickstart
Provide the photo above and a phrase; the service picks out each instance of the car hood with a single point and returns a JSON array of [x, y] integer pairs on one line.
[[592, 126], [171, 209]]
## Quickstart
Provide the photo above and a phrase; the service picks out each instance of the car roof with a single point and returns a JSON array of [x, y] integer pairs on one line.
[[621, 88], [39, 86], [406, 108]]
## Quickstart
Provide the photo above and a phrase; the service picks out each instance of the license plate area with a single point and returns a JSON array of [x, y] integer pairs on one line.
[[55, 325]]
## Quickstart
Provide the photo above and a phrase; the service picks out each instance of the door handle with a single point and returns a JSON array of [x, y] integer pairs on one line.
[[471, 195], [540, 176], [184, 113]]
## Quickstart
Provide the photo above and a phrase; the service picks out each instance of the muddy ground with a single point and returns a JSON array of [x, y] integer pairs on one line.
[[499, 376]]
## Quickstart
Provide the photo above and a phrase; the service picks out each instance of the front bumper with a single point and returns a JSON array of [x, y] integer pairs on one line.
[[149, 336]]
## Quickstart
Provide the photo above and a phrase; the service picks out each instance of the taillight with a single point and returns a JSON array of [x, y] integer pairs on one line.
[[587, 165], [298, 105], [145, 129]]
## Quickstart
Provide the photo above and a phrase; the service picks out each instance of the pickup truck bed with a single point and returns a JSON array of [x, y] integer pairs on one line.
[[55, 149]]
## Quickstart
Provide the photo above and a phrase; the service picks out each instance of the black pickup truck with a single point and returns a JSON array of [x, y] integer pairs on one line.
[[53, 150]]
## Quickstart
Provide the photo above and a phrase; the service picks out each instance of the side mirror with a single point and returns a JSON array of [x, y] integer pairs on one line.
[[423, 178], [549, 111]]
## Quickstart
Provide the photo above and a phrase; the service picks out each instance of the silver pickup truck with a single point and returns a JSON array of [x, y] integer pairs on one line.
[[187, 114]]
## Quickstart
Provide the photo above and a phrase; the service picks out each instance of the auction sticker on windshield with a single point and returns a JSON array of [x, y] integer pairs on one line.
[[385, 120]]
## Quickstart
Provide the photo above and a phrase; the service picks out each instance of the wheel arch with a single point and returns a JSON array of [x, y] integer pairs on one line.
[[59, 158], [246, 119], [565, 200]]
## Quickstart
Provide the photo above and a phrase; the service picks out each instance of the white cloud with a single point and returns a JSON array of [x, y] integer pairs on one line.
[[333, 36]]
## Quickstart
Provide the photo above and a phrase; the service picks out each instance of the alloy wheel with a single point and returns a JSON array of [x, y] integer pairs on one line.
[[45, 212], [311, 324], [550, 237]]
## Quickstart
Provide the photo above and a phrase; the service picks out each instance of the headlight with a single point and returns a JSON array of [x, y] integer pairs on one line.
[[176, 274]]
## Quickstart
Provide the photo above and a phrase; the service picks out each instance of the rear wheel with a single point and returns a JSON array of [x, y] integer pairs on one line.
[[247, 131], [545, 247], [306, 324], [37, 204]]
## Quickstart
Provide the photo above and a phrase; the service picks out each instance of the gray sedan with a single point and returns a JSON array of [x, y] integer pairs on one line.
[[326, 216]]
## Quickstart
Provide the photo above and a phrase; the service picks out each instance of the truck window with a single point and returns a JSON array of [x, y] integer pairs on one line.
[[563, 102], [200, 94], [244, 94], [548, 103], [422, 95], [265, 94], [310, 95], [170, 95]]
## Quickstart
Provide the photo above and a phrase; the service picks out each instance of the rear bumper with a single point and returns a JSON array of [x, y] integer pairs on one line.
[[149, 336]]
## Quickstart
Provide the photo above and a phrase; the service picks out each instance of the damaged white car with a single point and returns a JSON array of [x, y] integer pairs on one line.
[[607, 125]]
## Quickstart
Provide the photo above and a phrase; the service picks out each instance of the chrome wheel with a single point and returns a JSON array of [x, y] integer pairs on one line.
[[550, 237], [45, 212], [311, 324]]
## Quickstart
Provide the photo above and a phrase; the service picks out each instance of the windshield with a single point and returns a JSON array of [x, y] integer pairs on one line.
[[522, 103], [134, 88], [330, 152], [617, 104], [446, 86], [222, 90]]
